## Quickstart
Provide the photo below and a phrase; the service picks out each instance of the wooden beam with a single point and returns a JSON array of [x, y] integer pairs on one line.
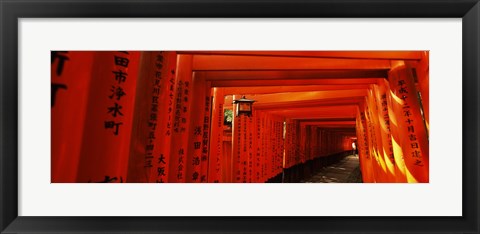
[[289, 89], [228, 62], [307, 96], [292, 82], [328, 120], [399, 55], [311, 103], [328, 123], [295, 74], [318, 112]]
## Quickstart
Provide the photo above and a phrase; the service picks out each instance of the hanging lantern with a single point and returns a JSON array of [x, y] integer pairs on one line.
[[244, 106]]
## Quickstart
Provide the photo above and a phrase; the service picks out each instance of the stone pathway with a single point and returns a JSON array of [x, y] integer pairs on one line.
[[345, 171]]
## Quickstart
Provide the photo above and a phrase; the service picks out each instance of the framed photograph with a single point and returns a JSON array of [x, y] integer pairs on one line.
[[260, 70]]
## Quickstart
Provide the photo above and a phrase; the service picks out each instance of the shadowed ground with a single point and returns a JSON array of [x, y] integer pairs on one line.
[[345, 171]]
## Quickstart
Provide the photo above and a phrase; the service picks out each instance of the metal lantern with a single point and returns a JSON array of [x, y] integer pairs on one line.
[[243, 106]]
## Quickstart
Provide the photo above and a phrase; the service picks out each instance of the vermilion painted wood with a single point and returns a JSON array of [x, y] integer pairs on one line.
[[72, 81], [249, 63], [403, 55], [296, 74], [215, 169], [104, 151], [413, 137], [164, 123], [379, 96], [300, 81], [376, 148], [289, 89], [181, 115]]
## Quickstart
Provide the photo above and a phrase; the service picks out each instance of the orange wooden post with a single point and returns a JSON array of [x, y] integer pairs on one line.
[[317, 142], [400, 175], [216, 141], [286, 144], [296, 143], [264, 148], [293, 143], [390, 132], [279, 145], [308, 137], [338, 143], [266, 145], [207, 120], [322, 142], [289, 147], [109, 118], [422, 73], [164, 78], [377, 171], [194, 157], [335, 143], [181, 119], [274, 141], [250, 149], [227, 159], [383, 126], [413, 135], [329, 142], [238, 123], [261, 145], [363, 149], [278, 125], [375, 165], [255, 162], [379, 153], [147, 162], [276, 147], [269, 147], [313, 150], [328, 148], [302, 142], [70, 77], [198, 144]]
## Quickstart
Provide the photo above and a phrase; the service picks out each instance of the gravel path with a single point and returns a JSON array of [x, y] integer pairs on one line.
[[345, 171]]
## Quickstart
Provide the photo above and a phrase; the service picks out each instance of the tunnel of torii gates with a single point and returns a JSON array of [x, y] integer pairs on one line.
[[131, 116]]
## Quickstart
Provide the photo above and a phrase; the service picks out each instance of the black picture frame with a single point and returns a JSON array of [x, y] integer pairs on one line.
[[12, 10]]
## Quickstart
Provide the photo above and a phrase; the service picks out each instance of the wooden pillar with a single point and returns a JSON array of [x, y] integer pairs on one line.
[[289, 144], [206, 132], [216, 141], [109, 118], [412, 132], [199, 122], [147, 160], [390, 132], [421, 71], [363, 148], [71, 73], [279, 145], [256, 159], [385, 175], [265, 145], [181, 119]]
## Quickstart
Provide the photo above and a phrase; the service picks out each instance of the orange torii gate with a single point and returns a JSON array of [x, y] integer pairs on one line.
[[173, 130]]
